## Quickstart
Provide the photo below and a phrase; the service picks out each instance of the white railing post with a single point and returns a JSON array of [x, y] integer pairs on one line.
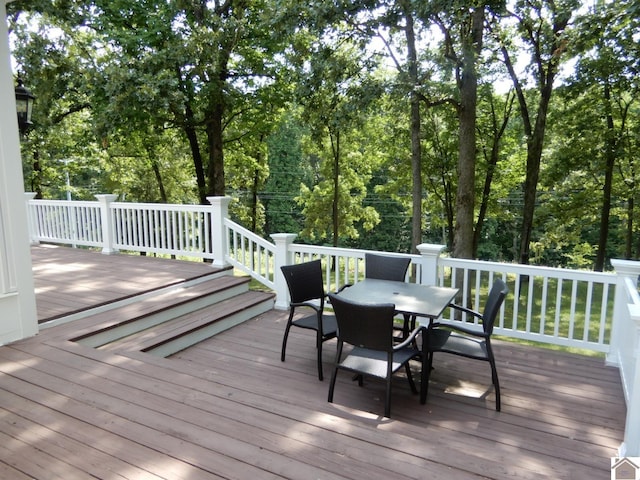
[[106, 220], [31, 222], [631, 444], [625, 269], [430, 254], [282, 257], [220, 211]]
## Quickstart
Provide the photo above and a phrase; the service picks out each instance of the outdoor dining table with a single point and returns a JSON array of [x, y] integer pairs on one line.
[[410, 299]]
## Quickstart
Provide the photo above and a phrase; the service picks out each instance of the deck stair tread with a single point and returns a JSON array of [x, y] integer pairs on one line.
[[161, 334], [177, 296]]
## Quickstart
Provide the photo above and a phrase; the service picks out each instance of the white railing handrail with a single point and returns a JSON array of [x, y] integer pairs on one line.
[[250, 253], [608, 321]]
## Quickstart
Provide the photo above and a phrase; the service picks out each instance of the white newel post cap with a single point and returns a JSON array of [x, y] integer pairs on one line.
[[430, 254]]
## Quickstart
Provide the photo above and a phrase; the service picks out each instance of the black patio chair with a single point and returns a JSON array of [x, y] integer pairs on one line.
[[369, 329], [306, 291], [385, 267], [467, 341]]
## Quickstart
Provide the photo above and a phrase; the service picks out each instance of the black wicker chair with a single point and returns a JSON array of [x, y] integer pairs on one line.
[[467, 341], [306, 290], [385, 267], [369, 329]]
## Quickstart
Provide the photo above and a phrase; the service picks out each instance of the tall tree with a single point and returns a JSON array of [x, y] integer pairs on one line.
[[542, 27], [463, 35], [196, 66], [492, 129], [336, 96], [611, 65]]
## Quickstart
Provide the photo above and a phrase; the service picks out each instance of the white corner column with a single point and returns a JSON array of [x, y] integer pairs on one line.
[[18, 318], [219, 212], [282, 257], [106, 219]]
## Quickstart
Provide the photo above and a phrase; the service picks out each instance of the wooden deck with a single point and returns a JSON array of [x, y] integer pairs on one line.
[[228, 408], [69, 280]]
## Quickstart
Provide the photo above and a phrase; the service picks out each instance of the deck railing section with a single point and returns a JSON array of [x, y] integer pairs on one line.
[[179, 230], [250, 253], [625, 349], [557, 306], [572, 308], [587, 310], [60, 221]]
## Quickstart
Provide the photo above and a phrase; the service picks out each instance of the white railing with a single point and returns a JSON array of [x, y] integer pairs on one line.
[[250, 253], [549, 305], [180, 230], [559, 306], [572, 308], [587, 310], [60, 221], [625, 349]]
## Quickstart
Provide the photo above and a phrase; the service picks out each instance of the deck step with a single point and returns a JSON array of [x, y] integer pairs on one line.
[[225, 298], [184, 331]]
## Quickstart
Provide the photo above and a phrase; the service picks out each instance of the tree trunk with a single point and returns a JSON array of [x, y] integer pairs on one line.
[[468, 85], [254, 201], [534, 156], [215, 171], [492, 162], [336, 183], [610, 154], [547, 62], [192, 137], [416, 148], [158, 176], [628, 251]]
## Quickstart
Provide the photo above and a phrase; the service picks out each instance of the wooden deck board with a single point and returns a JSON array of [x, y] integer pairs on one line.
[[229, 408]]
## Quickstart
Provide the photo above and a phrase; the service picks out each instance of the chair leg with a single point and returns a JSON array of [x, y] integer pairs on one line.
[[496, 383], [424, 377], [412, 384], [319, 352], [387, 399], [332, 384], [494, 375], [286, 336]]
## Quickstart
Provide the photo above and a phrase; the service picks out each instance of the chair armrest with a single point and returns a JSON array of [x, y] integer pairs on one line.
[[465, 310], [306, 304], [475, 332], [410, 338], [346, 285]]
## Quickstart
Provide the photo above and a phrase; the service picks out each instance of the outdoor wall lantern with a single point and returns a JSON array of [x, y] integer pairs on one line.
[[24, 106]]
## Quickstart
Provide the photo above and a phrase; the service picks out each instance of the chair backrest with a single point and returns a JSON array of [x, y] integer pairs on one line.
[[496, 296], [384, 267], [304, 281], [364, 325]]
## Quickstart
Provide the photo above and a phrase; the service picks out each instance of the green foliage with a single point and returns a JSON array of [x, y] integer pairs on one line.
[[286, 174], [302, 112]]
